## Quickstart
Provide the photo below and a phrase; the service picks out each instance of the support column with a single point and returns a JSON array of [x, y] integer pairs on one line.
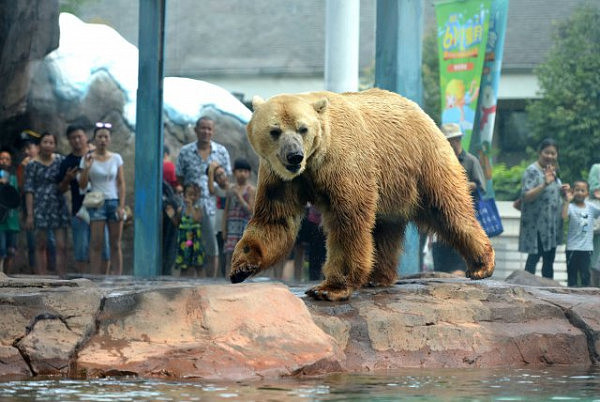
[[147, 257], [342, 21], [398, 54]]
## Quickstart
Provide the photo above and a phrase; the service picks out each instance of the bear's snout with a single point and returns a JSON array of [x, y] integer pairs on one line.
[[295, 158], [240, 274], [291, 153]]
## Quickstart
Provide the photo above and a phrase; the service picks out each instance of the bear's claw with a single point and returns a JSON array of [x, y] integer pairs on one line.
[[241, 273], [480, 274], [482, 267], [322, 293]]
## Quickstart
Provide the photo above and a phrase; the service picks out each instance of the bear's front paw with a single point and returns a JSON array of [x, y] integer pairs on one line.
[[245, 262], [325, 291]]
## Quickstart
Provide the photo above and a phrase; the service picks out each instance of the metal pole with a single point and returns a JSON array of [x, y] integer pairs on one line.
[[398, 56], [342, 22], [147, 257]]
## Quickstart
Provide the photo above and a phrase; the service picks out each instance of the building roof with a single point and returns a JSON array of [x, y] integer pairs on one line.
[[287, 37], [529, 30]]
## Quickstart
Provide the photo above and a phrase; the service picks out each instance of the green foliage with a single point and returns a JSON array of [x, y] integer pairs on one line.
[[507, 181], [569, 110], [73, 6]]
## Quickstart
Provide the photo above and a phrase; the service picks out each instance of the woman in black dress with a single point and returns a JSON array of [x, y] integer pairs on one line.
[[46, 206]]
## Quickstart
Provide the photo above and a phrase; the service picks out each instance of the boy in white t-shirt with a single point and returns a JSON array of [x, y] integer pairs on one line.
[[216, 173], [580, 243]]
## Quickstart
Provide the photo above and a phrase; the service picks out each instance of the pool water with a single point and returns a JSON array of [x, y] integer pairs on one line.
[[409, 384]]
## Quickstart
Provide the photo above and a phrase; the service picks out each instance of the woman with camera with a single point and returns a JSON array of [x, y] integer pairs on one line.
[[102, 176]]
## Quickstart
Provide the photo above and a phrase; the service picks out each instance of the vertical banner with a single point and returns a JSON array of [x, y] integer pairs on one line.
[[483, 129], [462, 37]]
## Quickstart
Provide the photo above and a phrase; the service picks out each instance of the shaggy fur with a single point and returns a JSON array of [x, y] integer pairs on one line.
[[371, 162]]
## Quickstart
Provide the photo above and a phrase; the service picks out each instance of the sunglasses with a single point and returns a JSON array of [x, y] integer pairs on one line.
[[103, 125]]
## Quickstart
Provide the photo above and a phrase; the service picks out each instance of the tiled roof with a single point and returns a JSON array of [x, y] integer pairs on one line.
[[287, 37], [530, 28]]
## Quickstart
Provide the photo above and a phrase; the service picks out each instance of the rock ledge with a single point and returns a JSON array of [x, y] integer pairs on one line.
[[216, 331]]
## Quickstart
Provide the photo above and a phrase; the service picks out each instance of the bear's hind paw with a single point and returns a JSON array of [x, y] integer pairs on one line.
[[480, 274], [482, 267], [329, 294]]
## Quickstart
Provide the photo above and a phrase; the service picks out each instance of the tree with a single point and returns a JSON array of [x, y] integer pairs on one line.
[[569, 79]]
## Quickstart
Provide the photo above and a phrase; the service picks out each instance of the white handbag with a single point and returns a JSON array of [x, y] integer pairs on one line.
[[93, 199]]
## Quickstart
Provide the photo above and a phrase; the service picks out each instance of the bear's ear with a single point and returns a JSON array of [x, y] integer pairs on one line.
[[257, 101], [320, 105]]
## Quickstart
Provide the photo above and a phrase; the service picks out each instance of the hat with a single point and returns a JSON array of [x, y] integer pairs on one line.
[[451, 130], [241, 163], [29, 136]]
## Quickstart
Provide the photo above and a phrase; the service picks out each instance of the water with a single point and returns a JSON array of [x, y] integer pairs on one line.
[[566, 384]]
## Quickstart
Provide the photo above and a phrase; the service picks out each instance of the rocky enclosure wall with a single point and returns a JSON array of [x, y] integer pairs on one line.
[[28, 32], [228, 332]]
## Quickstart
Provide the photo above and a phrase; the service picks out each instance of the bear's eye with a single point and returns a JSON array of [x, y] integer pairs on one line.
[[275, 133], [303, 130]]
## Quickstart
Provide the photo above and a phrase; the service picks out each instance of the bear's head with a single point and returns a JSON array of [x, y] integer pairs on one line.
[[286, 130]]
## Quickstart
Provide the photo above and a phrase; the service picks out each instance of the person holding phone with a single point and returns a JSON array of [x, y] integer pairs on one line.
[[68, 175], [102, 171]]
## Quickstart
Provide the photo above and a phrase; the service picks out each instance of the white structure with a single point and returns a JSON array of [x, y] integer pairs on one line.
[[342, 19]]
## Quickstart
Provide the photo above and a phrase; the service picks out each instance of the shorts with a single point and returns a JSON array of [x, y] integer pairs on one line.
[[8, 243], [81, 240], [107, 212]]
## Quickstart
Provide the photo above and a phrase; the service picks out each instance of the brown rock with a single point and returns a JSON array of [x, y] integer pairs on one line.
[[456, 323], [209, 332], [12, 363], [44, 323], [521, 277], [49, 346], [231, 332]]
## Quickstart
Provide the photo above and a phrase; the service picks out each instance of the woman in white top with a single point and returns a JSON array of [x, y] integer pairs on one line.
[[103, 171]]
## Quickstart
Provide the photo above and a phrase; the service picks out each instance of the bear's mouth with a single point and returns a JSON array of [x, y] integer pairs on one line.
[[293, 168]]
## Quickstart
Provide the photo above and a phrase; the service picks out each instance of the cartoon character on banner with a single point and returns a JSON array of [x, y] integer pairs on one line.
[[458, 104]]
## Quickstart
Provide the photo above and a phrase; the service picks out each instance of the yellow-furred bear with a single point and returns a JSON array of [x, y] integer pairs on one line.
[[371, 162]]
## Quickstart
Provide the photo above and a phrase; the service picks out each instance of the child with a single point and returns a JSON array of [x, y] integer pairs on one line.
[[190, 246], [9, 218], [580, 235], [238, 207], [216, 173]]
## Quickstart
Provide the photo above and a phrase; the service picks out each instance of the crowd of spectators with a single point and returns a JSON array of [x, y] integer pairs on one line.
[[207, 203]]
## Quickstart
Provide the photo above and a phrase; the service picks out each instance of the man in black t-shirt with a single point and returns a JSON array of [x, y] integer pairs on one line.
[[69, 173]]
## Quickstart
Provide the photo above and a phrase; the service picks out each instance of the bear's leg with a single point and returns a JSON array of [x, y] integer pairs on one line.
[[349, 256], [461, 230], [389, 239], [271, 232]]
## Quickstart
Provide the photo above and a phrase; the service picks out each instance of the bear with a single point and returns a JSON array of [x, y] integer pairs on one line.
[[370, 161]]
